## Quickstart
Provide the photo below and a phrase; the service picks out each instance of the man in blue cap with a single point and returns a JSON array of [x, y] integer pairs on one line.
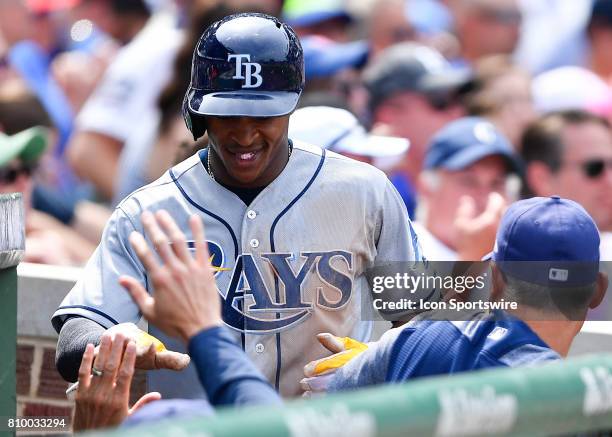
[[464, 189], [546, 260]]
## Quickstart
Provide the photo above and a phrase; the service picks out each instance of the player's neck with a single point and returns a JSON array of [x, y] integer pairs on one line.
[[558, 334]]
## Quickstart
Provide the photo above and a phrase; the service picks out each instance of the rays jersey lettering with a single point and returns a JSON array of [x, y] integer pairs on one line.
[[251, 70], [249, 304]]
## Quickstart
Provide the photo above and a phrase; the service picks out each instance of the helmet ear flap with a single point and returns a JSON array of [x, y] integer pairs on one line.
[[195, 124]]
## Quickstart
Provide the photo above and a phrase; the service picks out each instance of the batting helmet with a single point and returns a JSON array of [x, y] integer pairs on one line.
[[244, 65]]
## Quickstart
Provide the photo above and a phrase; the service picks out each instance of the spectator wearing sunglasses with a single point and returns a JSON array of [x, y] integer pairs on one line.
[[48, 241], [569, 153]]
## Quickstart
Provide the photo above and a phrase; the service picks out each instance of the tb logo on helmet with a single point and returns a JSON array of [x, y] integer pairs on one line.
[[251, 70]]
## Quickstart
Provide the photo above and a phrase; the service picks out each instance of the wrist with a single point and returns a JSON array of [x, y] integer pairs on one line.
[[187, 332]]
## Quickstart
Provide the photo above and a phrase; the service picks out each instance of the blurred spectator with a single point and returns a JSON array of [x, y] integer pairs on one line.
[[328, 18], [67, 71], [14, 22], [47, 240], [429, 17], [20, 109], [537, 51], [464, 190], [501, 92], [572, 88], [388, 25], [118, 123], [324, 58], [486, 27], [569, 154], [338, 130], [334, 69], [599, 31], [36, 32], [412, 94]]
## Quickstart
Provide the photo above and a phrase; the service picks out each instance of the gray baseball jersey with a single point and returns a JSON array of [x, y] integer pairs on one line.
[[288, 266]]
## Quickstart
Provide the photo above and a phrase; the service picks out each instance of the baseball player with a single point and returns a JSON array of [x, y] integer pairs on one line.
[[546, 259], [291, 228]]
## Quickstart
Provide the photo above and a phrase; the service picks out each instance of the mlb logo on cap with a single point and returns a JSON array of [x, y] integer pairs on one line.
[[560, 275]]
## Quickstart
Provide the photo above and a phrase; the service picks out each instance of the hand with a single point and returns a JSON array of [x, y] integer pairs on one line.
[[103, 401], [186, 298], [150, 352], [318, 373], [475, 235]]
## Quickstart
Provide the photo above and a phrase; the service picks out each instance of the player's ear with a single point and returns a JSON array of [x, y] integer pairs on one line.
[[600, 290], [198, 125]]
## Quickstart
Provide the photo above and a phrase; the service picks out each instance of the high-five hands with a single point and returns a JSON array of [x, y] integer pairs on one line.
[[151, 353], [186, 299]]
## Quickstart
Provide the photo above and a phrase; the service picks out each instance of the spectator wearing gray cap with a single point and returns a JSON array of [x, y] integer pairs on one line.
[[412, 93], [464, 190]]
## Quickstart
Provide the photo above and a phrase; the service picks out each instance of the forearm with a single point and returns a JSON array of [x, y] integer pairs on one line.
[[95, 157], [226, 373], [76, 333], [368, 368]]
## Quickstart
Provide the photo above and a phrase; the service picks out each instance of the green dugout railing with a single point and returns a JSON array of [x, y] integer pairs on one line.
[[12, 244], [555, 399]]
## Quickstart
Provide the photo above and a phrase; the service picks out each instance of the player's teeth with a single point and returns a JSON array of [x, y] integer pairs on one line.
[[247, 155]]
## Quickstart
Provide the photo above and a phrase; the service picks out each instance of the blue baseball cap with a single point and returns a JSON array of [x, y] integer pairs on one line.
[[324, 57], [467, 140], [548, 241]]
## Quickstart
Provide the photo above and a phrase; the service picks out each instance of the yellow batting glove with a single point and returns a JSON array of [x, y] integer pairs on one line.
[[345, 349], [145, 340]]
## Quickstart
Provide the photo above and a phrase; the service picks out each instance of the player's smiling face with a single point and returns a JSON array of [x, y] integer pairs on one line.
[[248, 152]]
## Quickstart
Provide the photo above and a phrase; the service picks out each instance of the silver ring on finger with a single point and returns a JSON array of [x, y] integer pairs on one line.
[[96, 372]]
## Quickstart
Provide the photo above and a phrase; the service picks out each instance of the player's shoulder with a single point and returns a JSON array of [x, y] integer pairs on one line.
[[341, 167], [162, 192]]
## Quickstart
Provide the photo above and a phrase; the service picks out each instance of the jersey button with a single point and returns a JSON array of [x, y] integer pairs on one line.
[[251, 214], [259, 348], [254, 243]]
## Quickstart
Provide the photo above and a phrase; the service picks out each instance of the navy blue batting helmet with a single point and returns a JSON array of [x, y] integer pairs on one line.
[[244, 65]]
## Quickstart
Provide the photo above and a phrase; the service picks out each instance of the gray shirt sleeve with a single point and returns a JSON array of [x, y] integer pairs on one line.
[[397, 241], [368, 368], [74, 336]]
